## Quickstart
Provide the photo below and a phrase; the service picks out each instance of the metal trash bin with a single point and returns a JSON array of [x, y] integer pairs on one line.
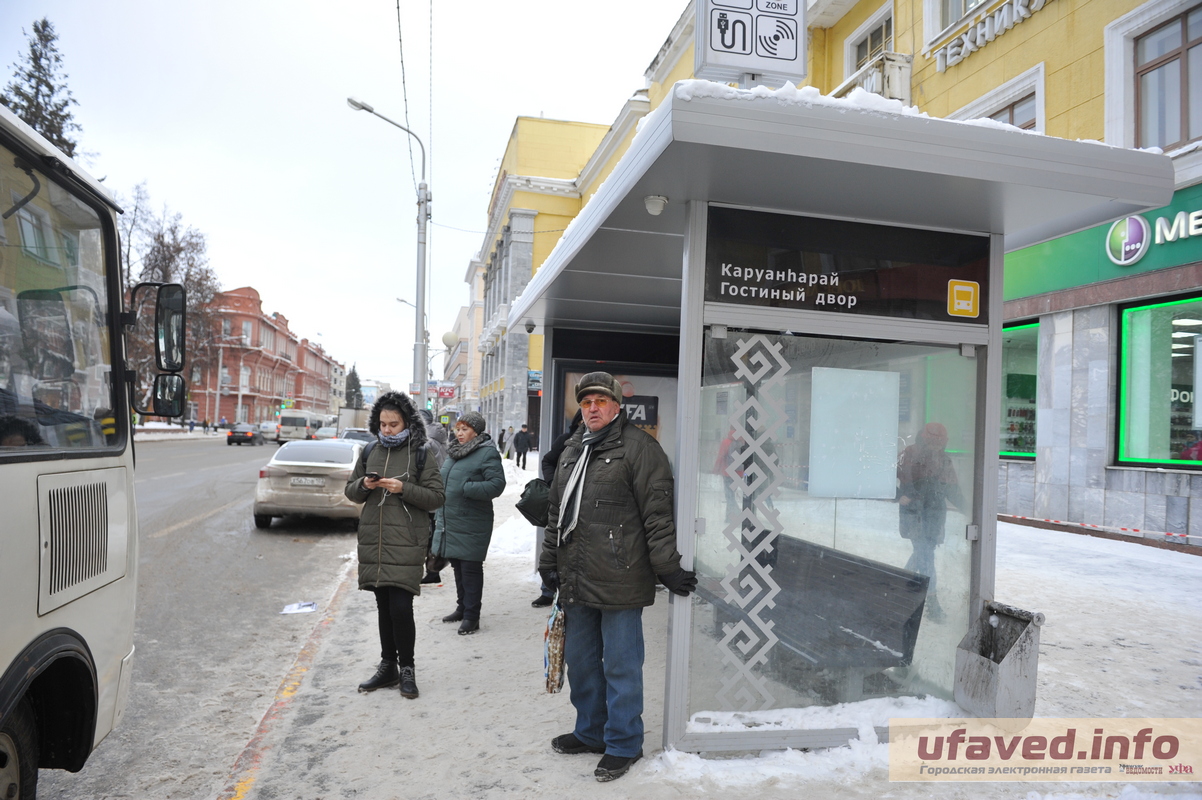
[[996, 663]]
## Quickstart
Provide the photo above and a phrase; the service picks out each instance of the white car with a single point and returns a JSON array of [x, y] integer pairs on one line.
[[326, 433], [270, 430], [307, 478]]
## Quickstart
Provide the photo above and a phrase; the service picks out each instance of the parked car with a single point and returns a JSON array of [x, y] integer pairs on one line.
[[243, 434], [326, 433], [362, 434], [270, 430], [308, 478]]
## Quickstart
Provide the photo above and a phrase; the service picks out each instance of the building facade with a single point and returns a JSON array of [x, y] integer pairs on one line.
[[261, 366], [534, 198]]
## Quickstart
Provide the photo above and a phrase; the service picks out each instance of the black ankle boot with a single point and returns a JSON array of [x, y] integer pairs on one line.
[[386, 675], [454, 616], [469, 626], [408, 682]]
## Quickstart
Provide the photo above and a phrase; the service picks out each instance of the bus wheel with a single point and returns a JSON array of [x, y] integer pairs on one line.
[[18, 754], [262, 520]]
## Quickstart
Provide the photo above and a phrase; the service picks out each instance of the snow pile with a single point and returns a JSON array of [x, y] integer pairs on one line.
[[842, 765], [863, 715]]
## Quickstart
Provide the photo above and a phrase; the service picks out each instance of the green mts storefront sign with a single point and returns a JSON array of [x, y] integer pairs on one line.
[[1167, 237]]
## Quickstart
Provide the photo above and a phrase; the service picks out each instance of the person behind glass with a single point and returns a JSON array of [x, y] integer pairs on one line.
[[610, 533], [522, 443], [926, 482], [437, 445], [19, 432], [549, 462], [394, 531], [473, 476]]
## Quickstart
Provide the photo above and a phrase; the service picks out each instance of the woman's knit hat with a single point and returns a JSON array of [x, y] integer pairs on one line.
[[473, 420]]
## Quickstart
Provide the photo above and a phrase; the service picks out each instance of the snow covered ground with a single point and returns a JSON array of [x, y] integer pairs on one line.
[[1121, 640]]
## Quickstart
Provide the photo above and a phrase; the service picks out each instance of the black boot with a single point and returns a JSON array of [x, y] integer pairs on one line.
[[386, 675], [408, 683], [469, 626], [454, 616]]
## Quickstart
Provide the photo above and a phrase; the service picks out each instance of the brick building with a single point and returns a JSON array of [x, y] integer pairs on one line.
[[262, 365]]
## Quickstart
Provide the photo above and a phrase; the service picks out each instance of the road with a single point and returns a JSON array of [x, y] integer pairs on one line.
[[211, 644]]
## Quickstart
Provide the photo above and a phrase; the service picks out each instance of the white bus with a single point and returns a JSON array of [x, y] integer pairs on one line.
[[296, 424], [68, 542]]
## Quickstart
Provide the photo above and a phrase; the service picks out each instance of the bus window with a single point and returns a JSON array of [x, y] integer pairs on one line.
[[55, 349]]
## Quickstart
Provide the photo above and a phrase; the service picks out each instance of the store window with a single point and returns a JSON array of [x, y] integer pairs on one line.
[[877, 41], [1020, 360], [1168, 75], [1159, 420], [1020, 114]]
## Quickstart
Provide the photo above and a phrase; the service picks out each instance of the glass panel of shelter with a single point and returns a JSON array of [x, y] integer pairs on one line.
[[835, 478]]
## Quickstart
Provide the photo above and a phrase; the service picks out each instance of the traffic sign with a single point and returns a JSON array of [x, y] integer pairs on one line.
[[763, 39]]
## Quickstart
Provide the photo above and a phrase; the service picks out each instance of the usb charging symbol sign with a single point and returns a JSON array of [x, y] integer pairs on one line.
[[730, 31]]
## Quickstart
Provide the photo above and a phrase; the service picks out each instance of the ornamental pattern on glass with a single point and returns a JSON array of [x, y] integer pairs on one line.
[[754, 474]]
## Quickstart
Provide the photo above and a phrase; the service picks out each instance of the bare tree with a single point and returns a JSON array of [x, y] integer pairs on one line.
[[163, 249]]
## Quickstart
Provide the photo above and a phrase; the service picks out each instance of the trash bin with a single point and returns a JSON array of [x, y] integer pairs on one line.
[[996, 663]]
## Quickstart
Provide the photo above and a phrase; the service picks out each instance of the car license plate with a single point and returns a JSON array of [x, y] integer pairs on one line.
[[302, 481]]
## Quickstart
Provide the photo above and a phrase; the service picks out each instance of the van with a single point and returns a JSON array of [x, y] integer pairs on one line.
[[297, 425]]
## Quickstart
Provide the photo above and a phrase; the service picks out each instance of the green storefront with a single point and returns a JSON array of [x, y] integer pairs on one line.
[[1099, 423]]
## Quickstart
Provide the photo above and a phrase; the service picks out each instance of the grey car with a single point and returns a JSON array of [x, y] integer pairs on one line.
[[307, 478]]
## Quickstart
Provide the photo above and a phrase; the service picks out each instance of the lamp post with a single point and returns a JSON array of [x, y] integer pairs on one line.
[[423, 215]]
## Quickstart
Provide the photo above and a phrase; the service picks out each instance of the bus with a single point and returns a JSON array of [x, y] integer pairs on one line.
[[297, 424], [69, 542]]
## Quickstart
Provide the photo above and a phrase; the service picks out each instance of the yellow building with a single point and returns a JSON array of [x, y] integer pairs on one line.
[[534, 198]]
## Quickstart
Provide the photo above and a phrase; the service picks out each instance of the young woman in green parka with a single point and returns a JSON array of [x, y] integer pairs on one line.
[[394, 531], [473, 476]]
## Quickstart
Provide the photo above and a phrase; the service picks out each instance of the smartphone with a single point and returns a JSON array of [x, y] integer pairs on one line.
[[375, 476]]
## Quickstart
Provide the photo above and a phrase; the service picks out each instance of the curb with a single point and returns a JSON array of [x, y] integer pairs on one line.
[[1178, 542]]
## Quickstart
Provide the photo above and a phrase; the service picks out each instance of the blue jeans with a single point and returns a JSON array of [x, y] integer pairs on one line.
[[603, 651]]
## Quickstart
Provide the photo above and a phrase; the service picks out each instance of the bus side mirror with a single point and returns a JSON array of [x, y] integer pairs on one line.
[[170, 328], [166, 398]]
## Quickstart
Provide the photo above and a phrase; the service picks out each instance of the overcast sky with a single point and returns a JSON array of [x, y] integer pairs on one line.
[[235, 115]]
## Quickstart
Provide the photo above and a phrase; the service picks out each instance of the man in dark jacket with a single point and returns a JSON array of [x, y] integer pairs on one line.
[[610, 533], [523, 442]]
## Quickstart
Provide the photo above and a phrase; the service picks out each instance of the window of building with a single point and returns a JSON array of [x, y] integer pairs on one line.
[[953, 10], [1168, 61], [878, 40], [1020, 361], [1020, 114], [35, 233], [248, 329], [1159, 420]]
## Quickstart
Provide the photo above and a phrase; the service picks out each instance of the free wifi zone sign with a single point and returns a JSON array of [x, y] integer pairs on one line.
[[1127, 750]]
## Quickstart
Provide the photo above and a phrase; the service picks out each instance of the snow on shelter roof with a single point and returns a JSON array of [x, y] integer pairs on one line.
[[796, 151]]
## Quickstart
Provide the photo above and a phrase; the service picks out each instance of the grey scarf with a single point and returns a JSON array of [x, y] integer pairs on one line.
[[569, 512], [458, 451]]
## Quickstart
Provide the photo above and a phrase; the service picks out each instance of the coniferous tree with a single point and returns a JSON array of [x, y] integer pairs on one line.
[[354, 389], [38, 92]]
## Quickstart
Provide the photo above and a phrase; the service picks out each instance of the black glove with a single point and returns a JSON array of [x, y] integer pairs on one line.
[[681, 582], [550, 578]]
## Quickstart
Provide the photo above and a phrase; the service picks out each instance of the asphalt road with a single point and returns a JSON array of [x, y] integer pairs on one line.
[[211, 643]]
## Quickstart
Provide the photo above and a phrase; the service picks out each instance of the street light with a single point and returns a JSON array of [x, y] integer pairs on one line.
[[423, 214]]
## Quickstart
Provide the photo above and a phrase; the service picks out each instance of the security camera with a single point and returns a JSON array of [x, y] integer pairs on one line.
[[655, 204], [529, 326]]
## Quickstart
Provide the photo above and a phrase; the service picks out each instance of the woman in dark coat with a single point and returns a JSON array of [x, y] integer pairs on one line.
[[473, 476], [394, 530]]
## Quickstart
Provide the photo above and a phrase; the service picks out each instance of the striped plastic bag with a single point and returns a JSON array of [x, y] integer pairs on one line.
[[553, 641]]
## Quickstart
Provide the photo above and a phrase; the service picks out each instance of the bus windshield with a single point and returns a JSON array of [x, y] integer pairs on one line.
[[55, 353]]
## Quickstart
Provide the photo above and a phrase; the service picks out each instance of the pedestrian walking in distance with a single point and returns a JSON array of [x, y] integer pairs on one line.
[[609, 535], [399, 485], [523, 441], [473, 476]]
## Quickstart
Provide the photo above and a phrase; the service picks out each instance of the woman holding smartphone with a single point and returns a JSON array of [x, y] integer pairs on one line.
[[398, 482]]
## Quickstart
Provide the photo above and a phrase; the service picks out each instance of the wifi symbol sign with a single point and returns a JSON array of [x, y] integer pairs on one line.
[[776, 38]]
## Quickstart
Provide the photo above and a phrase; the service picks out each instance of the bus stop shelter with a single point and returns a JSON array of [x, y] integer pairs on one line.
[[803, 299]]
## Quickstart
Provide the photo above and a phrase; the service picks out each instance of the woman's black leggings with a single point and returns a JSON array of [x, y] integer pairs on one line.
[[394, 609], [469, 586]]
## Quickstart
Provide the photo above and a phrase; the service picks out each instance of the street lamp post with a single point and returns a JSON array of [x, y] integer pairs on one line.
[[423, 215]]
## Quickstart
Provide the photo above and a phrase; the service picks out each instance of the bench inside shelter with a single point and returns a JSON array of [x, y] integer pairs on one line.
[[843, 615]]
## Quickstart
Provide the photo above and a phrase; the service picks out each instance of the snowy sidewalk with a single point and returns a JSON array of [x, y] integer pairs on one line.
[[1121, 639]]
